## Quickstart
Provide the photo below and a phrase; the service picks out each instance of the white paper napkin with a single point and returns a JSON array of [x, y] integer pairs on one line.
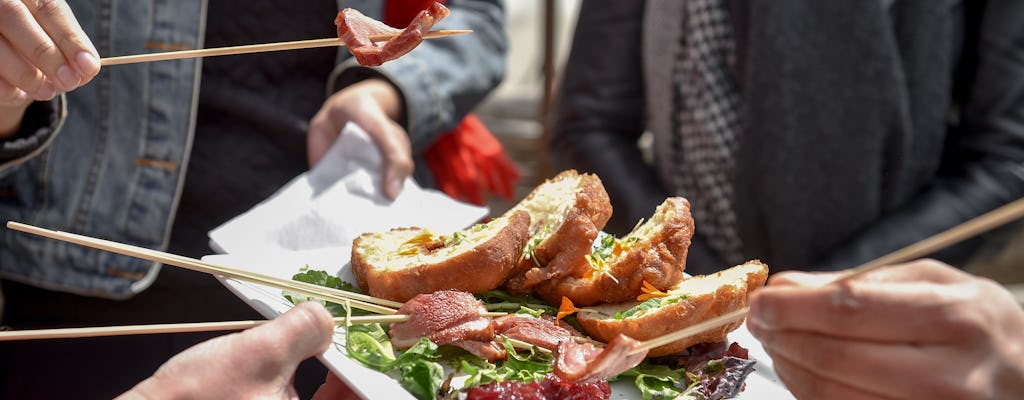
[[336, 201]]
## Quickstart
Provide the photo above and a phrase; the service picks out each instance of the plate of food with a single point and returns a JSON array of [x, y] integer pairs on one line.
[[538, 299]]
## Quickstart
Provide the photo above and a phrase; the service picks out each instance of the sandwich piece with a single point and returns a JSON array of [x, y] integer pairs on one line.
[[692, 301], [617, 270], [566, 214], [403, 262]]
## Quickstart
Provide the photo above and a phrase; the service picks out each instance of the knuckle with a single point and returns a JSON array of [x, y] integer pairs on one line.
[[49, 7], [43, 52], [28, 79]]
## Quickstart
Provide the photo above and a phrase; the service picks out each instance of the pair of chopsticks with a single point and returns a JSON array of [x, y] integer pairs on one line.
[[355, 300], [259, 48], [976, 226]]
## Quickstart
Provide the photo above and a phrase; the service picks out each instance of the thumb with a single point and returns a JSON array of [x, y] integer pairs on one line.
[[304, 331], [323, 131]]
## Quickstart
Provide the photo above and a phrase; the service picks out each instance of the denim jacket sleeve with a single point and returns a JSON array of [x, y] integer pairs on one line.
[[39, 127], [441, 80]]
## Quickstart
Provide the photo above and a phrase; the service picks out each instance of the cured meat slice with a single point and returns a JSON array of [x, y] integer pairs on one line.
[[491, 351], [542, 332], [354, 29], [579, 362], [444, 317]]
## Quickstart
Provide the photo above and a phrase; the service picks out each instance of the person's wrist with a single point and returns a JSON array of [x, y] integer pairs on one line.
[[10, 119]]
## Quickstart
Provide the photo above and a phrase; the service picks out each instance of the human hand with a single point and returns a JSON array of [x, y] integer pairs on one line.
[[374, 104], [918, 330], [334, 389], [257, 363], [44, 50], [10, 118]]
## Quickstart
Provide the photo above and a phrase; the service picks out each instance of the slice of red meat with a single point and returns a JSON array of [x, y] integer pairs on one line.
[[491, 351], [580, 362], [444, 317], [355, 30], [542, 332]]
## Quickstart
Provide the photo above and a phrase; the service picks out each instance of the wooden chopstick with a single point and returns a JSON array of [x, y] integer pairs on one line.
[[976, 226], [68, 333], [258, 48], [338, 296]]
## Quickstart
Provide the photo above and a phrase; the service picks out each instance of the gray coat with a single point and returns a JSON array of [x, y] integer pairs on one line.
[[866, 126]]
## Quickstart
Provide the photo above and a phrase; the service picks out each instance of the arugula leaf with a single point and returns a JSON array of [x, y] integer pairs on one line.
[[421, 374], [656, 382], [500, 300], [370, 345], [322, 278], [528, 367], [650, 304]]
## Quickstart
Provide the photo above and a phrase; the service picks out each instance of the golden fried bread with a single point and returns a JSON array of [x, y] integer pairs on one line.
[[616, 269], [693, 300], [403, 262], [566, 214]]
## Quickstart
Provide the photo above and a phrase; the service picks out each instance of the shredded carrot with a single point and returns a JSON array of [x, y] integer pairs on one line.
[[650, 292], [617, 249], [566, 308]]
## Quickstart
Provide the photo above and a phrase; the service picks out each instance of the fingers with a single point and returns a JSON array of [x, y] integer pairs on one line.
[[873, 367], [394, 146], [806, 385], [11, 96], [358, 104], [915, 301], [20, 75], [79, 56], [304, 331], [898, 312], [334, 389], [53, 52]]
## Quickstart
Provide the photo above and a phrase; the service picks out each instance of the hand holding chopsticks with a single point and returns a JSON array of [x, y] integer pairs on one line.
[[993, 219]]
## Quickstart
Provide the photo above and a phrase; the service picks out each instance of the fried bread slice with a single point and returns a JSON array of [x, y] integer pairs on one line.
[[566, 214], [693, 300], [617, 269], [403, 262]]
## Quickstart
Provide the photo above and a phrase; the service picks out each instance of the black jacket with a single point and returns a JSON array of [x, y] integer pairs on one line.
[[867, 125]]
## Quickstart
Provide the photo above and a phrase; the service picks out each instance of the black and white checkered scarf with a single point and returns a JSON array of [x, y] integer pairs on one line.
[[707, 123]]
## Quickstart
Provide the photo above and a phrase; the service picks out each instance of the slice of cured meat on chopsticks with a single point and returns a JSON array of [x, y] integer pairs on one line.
[[444, 317], [354, 29], [450, 317], [578, 362]]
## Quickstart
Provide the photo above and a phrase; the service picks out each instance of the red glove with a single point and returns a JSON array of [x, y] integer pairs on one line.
[[468, 162]]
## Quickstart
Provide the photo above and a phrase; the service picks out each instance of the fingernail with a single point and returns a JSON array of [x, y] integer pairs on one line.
[[761, 316], [68, 78], [46, 92], [87, 63]]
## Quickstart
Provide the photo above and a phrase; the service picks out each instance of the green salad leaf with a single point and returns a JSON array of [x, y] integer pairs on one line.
[[656, 382], [650, 304], [322, 278], [370, 345], [500, 300]]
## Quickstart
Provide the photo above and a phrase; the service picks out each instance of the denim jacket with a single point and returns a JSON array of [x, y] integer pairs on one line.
[[108, 160]]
